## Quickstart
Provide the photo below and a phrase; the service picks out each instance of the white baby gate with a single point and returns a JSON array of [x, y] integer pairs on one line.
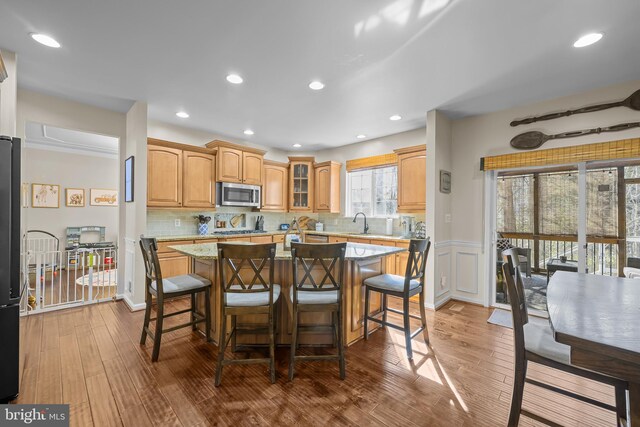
[[54, 279]]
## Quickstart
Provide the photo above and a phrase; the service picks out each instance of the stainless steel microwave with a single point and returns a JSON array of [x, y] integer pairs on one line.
[[231, 194]]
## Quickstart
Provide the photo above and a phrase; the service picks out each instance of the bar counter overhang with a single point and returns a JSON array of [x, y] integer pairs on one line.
[[361, 261]]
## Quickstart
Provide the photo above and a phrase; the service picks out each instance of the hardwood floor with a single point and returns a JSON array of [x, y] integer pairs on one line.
[[90, 358]]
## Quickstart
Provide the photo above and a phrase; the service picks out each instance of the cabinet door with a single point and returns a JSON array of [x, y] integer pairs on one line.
[[274, 188], [278, 238], [199, 180], [323, 188], [412, 176], [164, 176], [315, 238], [335, 239], [251, 168], [402, 259], [301, 187], [359, 240], [174, 264], [229, 165]]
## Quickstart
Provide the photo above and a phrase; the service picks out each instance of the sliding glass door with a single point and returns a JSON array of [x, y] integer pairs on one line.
[[583, 218]]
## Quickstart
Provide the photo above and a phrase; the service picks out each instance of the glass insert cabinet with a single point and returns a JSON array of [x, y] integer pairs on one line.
[[301, 184]]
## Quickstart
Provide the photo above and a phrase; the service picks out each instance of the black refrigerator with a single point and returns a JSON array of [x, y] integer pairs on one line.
[[9, 267]]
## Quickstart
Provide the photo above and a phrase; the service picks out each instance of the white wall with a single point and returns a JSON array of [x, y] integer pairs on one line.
[[439, 263], [184, 135], [489, 134], [134, 214], [69, 170], [8, 95], [373, 147]]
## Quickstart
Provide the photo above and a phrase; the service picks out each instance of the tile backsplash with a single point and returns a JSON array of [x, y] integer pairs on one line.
[[163, 222]]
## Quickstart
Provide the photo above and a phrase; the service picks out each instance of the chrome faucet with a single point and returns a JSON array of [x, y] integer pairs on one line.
[[366, 227]]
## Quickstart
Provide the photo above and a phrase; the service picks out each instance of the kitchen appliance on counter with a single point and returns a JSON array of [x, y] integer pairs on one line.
[[231, 194], [407, 222], [9, 267]]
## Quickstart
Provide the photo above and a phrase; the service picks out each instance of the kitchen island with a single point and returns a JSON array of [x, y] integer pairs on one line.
[[361, 261]]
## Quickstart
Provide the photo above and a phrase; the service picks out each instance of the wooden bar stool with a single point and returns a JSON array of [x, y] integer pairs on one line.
[[169, 288], [244, 290], [308, 294], [534, 342], [402, 287]]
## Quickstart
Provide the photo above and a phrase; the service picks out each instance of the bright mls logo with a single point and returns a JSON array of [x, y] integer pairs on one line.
[[36, 415]]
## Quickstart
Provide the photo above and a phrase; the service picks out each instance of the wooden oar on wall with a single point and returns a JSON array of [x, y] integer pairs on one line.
[[534, 139], [633, 102]]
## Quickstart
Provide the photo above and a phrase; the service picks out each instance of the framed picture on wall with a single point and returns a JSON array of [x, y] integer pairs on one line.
[[128, 179], [45, 195], [102, 197], [75, 197]]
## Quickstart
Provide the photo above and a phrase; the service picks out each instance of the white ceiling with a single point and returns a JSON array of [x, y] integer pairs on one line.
[[377, 58], [46, 137]]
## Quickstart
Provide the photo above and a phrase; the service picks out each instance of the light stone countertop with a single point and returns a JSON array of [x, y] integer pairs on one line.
[[271, 233], [355, 251]]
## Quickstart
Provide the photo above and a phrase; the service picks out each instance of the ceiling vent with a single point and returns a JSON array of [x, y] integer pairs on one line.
[[3, 70]]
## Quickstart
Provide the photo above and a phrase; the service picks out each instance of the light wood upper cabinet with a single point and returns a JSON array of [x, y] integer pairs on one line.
[[237, 163], [412, 179], [301, 177], [275, 184], [327, 187], [252, 168], [164, 176], [180, 175], [199, 180], [229, 165]]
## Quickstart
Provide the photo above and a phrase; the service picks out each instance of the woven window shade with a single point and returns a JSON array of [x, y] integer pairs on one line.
[[372, 162], [621, 149]]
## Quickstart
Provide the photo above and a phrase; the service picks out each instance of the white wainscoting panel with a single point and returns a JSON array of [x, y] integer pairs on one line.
[[467, 272]]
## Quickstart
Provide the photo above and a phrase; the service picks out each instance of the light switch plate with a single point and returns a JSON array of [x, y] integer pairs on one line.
[[447, 218], [177, 223]]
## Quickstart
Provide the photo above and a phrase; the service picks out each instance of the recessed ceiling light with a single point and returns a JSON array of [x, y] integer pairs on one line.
[[235, 79], [395, 117], [587, 40], [248, 132], [297, 145], [316, 85], [45, 40], [182, 114], [361, 136]]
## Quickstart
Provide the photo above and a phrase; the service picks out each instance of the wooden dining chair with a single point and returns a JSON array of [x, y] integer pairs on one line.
[[404, 287], [535, 342], [318, 277], [164, 289], [246, 290]]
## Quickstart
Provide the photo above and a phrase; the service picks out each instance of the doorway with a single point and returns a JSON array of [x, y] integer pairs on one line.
[[70, 183], [581, 218]]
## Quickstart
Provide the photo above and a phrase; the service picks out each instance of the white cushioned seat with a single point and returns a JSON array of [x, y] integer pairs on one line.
[[390, 282], [315, 297], [538, 339], [251, 299], [181, 283]]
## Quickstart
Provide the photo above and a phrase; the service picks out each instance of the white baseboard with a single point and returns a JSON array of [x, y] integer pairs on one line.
[[462, 298], [442, 301], [130, 304]]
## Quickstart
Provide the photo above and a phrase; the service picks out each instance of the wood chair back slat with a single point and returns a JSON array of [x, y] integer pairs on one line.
[[327, 256], [153, 272], [235, 259], [416, 265]]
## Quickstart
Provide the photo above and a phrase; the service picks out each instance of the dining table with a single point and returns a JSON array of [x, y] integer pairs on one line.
[[599, 318]]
